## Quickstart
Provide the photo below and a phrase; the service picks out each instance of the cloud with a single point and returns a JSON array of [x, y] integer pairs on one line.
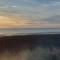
[[36, 8], [14, 6], [11, 21], [21, 22], [28, 12], [54, 19], [37, 13]]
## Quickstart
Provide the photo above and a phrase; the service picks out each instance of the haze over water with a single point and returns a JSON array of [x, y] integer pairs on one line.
[[30, 30]]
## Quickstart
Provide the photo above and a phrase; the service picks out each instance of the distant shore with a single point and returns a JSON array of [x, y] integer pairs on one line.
[[24, 34]]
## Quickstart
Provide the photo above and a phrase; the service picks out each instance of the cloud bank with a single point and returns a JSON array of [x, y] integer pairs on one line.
[[35, 13], [20, 22]]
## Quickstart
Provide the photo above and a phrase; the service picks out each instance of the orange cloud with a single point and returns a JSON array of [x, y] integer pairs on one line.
[[21, 22], [12, 21]]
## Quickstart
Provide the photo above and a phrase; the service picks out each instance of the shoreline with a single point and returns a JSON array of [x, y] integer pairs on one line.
[[23, 34]]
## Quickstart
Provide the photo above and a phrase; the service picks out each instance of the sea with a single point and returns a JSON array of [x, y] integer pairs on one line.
[[29, 30]]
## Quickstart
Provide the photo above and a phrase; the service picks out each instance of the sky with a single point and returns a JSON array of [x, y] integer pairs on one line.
[[30, 13]]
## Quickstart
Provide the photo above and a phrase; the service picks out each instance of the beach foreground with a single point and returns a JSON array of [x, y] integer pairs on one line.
[[30, 47]]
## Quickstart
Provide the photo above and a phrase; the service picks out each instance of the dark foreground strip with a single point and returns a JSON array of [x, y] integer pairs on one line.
[[42, 47]]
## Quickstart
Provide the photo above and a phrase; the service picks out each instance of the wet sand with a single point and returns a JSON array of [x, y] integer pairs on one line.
[[30, 47]]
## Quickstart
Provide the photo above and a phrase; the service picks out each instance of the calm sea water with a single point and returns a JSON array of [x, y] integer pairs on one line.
[[29, 30]]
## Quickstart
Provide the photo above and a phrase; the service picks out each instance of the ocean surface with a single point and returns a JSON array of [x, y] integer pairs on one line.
[[30, 30]]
